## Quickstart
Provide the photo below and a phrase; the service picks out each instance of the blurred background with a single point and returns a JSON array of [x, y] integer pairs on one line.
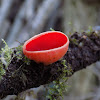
[[22, 19]]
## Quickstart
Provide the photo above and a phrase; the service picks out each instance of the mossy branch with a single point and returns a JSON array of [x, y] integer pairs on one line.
[[21, 74]]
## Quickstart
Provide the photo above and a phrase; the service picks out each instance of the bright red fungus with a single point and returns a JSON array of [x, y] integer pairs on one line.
[[47, 47]]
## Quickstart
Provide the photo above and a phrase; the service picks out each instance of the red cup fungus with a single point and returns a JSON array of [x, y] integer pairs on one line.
[[47, 47]]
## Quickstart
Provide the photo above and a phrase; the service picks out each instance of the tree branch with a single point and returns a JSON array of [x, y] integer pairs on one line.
[[83, 51]]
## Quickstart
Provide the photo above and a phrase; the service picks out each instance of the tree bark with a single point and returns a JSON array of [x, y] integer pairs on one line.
[[84, 49]]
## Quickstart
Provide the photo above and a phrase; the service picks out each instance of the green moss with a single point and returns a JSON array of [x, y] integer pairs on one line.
[[19, 54], [56, 89], [6, 56], [74, 41], [89, 31], [52, 29]]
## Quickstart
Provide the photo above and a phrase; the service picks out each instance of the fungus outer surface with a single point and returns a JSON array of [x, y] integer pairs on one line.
[[47, 47]]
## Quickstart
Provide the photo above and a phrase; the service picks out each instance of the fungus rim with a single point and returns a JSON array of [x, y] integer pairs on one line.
[[38, 35]]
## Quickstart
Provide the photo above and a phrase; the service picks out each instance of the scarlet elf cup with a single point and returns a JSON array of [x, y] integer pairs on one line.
[[47, 47]]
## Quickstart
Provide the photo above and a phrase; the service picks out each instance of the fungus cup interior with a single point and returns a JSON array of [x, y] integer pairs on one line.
[[46, 41]]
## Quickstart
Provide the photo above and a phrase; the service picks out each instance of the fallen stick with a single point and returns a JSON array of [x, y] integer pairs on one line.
[[84, 50]]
